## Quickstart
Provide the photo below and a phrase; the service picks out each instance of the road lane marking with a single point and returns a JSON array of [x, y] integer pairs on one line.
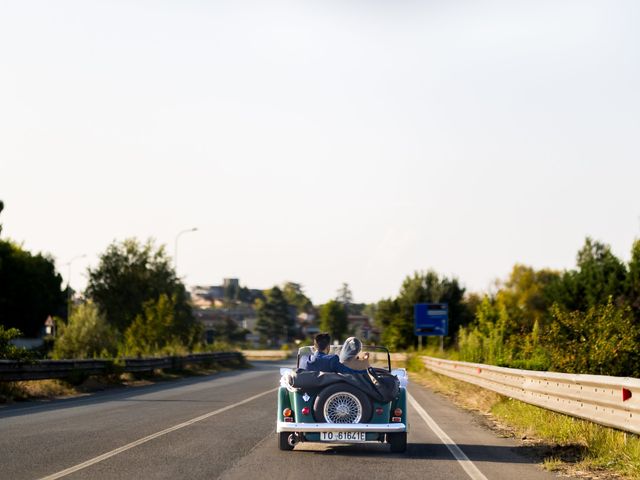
[[104, 456], [468, 466]]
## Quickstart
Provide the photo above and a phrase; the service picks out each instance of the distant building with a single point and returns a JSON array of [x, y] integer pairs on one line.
[[49, 327], [208, 296], [361, 327], [307, 324], [203, 296], [215, 319], [231, 283], [215, 305]]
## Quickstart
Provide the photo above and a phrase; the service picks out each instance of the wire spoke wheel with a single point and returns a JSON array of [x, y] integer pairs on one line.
[[343, 407]]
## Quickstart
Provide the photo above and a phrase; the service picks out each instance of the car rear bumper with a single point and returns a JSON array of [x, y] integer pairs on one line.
[[341, 427]]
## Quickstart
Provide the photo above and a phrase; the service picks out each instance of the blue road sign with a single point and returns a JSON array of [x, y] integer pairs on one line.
[[431, 319]]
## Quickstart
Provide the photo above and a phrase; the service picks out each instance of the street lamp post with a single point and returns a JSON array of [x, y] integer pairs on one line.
[[69, 283], [175, 252]]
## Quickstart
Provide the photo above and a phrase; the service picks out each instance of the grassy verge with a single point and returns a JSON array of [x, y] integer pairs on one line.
[[564, 444], [50, 389], [18, 391]]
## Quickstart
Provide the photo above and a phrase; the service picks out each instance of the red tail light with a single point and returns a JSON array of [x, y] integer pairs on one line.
[[397, 412], [287, 412], [305, 410]]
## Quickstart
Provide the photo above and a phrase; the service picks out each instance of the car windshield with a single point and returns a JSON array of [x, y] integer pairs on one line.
[[379, 357]]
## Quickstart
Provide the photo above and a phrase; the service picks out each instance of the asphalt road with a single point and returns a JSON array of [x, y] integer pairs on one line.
[[224, 427]]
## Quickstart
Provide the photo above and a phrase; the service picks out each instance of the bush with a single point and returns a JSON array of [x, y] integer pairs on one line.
[[602, 341], [9, 351], [87, 335]]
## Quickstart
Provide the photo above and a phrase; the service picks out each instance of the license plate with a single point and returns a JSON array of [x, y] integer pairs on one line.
[[352, 437]]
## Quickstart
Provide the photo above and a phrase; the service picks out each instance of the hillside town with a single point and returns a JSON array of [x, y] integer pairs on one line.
[[230, 312]]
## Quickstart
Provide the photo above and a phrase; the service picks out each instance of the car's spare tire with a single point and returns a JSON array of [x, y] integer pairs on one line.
[[342, 403]]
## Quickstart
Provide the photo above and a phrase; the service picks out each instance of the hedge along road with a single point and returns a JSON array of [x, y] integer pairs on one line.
[[224, 427]]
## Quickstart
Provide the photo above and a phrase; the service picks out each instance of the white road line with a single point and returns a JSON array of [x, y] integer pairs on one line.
[[104, 456], [468, 466]]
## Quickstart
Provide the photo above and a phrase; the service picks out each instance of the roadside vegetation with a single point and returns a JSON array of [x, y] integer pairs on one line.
[[585, 320], [134, 306], [565, 444], [82, 384]]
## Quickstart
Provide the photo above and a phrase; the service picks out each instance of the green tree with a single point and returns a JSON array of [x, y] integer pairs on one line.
[[385, 318], [633, 281], [294, 295], [345, 296], [30, 289], [524, 295], [129, 276], [506, 328], [229, 331], [157, 330], [249, 296], [275, 320], [333, 319], [471, 303], [86, 335], [361, 309], [602, 274], [396, 316], [599, 275], [524, 302], [383, 313]]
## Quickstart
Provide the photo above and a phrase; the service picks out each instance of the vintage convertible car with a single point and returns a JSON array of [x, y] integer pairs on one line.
[[343, 408]]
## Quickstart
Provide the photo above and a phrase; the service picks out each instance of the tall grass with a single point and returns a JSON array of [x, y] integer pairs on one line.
[[603, 447]]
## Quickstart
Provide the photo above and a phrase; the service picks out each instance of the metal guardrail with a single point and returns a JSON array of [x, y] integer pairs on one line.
[[609, 401], [268, 354], [13, 370]]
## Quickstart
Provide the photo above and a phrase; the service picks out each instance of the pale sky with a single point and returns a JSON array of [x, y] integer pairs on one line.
[[322, 141]]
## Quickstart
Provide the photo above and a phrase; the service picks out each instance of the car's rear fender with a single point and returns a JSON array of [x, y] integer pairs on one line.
[[300, 401], [283, 402], [400, 402]]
